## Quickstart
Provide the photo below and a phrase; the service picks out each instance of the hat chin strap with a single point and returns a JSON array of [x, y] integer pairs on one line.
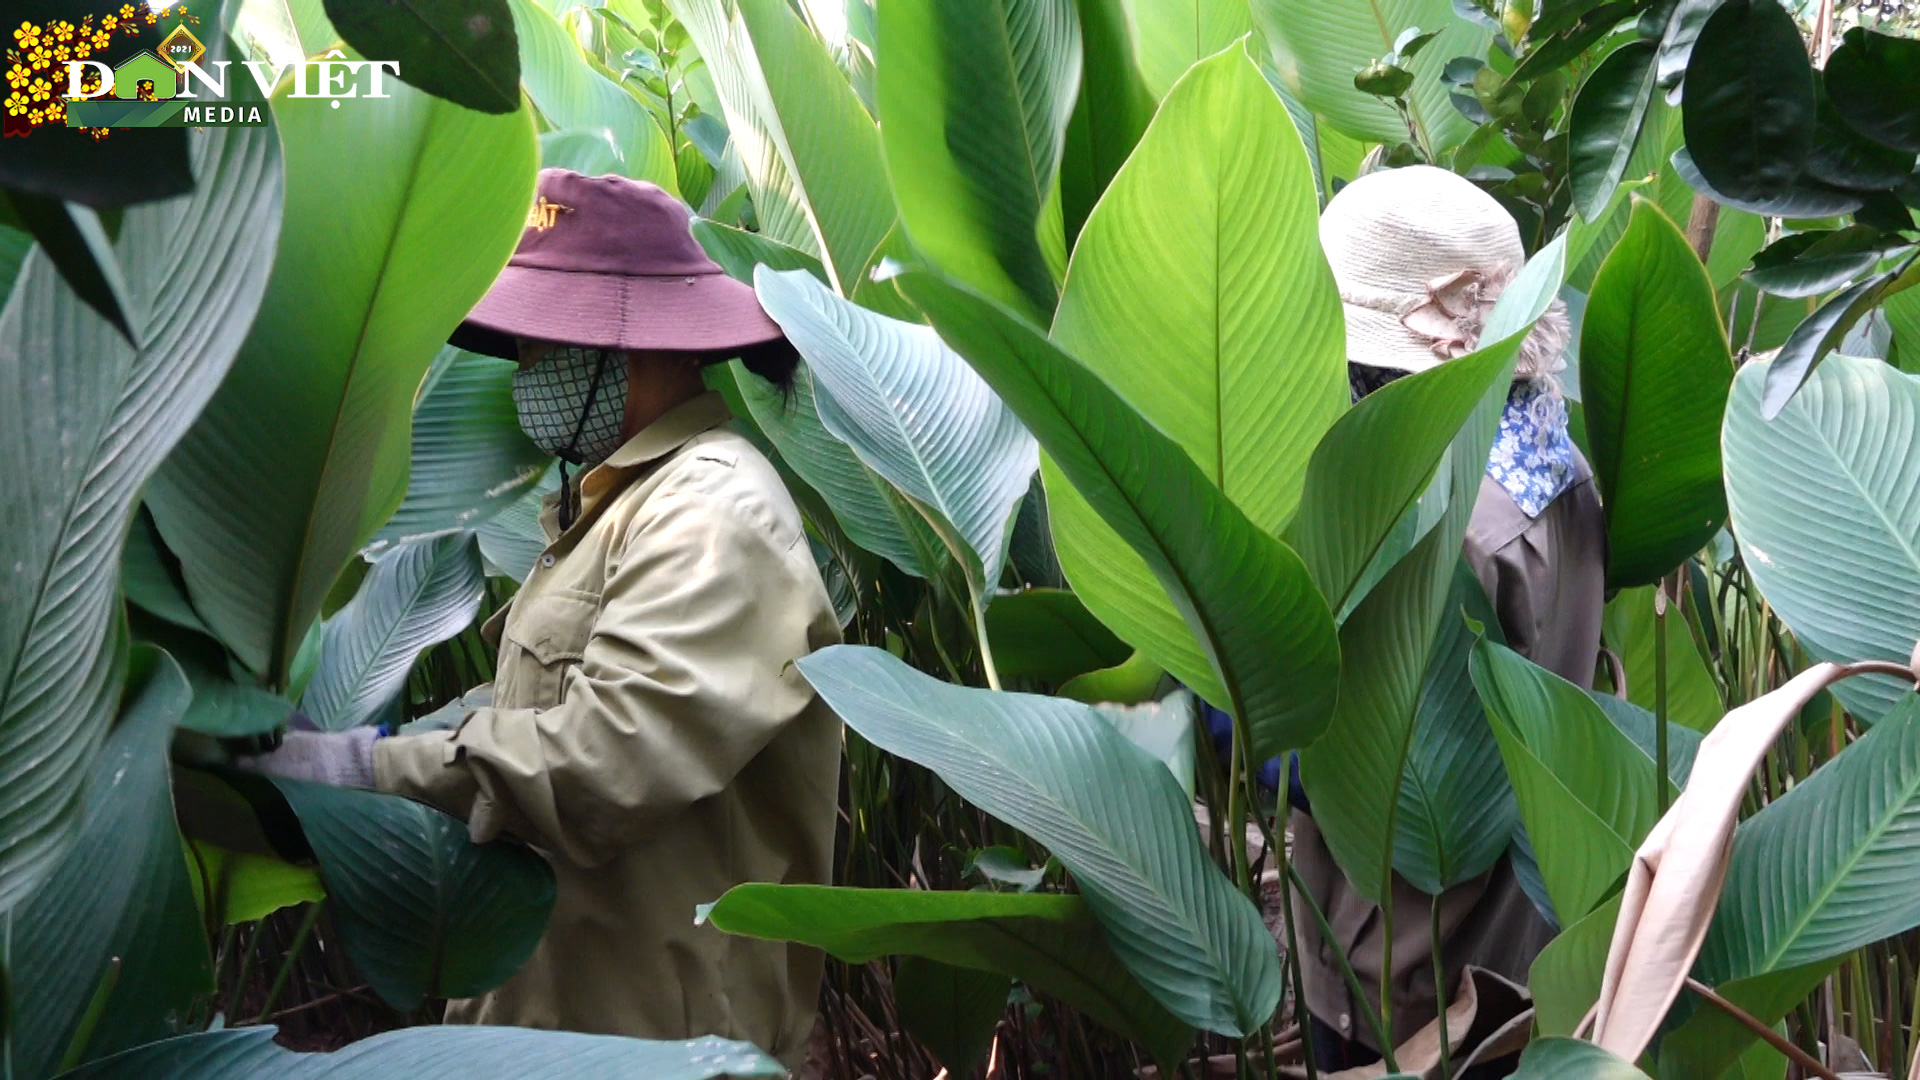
[[569, 505]]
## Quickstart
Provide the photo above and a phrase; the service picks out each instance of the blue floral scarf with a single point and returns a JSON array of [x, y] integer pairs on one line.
[[1532, 455]]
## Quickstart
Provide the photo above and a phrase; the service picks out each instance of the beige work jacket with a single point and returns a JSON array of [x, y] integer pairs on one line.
[[652, 737], [1546, 579]]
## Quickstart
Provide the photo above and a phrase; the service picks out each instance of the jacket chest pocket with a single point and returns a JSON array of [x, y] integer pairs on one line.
[[548, 635]]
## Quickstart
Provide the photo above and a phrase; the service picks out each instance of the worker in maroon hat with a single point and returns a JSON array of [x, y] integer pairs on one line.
[[649, 731]]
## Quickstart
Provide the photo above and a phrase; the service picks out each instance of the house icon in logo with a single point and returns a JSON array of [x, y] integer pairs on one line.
[[145, 77]]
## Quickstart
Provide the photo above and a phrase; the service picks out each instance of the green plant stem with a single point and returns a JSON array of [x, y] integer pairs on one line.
[[986, 650], [1386, 975], [1301, 1017], [90, 1019], [1440, 989], [1237, 832], [1660, 695], [293, 954], [1346, 970], [246, 971]]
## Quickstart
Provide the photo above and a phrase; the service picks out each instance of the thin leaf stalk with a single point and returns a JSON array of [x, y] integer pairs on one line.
[[1660, 695], [90, 1018], [286, 966], [1360, 999], [1439, 988]]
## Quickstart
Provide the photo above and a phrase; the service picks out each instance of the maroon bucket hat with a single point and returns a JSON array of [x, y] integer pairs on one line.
[[612, 263]]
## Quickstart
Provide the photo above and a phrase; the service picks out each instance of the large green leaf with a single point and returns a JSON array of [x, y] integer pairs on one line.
[[1829, 867], [1693, 699], [1112, 111], [974, 101], [396, 225], [433, 1052], [1826, 505], [1107, 810], [872, 512], [811, 151], [572, 94], [470, 457], [1199, 293], [1457, 812], [120, 893], [421, 910], [1654, 376], [1050, 942], [1049, 635], [1244, 594], [1170, 36], [1586, 791], [1565, 978], [1319, 45], [1571, 1059], [246, 885], [85, 418], [417, 595], [512, 539], [954, 1012], [914, 412], [1354, 775], [1357, 492], [461, 50], [1749, 106]]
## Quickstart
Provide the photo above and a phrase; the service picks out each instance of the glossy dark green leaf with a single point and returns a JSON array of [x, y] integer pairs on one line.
[[1813, 263], [1048, 941], [150, 575], [1823, 331], [1049, 635], [422, 911], [434, 1052], [85, 418], [462, 50], [1192, 940], [1245, 595], [1654, 376], [1749, 106], [951, 1011], [1847, 159], [1805, 198], [1456, 808], [1605, 124], [739, 251], [121, 891], [15, 243], [1676, 44], [1875, 82], [74, 239], [974, 104]]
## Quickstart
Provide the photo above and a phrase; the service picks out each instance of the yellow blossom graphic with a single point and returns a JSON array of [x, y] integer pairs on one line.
[[17, 76], [61, 30], [28, 35], [17, 104]]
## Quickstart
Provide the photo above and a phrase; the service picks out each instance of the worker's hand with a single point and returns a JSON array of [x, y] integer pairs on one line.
[[340, 758]]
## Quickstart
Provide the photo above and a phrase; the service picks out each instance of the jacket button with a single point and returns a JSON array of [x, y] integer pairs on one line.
[[546, 560], [1345, 1023]]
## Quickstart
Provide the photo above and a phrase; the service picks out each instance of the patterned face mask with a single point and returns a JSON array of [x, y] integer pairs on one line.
[[573, 401]]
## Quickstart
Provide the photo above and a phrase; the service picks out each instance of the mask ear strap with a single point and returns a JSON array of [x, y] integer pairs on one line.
[[569, 507]]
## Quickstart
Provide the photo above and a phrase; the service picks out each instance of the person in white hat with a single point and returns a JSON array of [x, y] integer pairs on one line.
[[1420, 255]]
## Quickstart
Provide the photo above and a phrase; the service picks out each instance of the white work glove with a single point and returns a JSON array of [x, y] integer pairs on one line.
[[339, 758]]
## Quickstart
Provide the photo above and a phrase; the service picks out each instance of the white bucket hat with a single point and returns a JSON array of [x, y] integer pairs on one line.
[[1420, 255]]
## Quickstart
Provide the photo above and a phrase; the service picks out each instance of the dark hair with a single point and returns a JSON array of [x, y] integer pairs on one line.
[[1364, 379], [774, 361]]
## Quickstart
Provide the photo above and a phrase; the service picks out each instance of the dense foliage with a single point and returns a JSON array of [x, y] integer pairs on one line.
[[1074, 445]]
